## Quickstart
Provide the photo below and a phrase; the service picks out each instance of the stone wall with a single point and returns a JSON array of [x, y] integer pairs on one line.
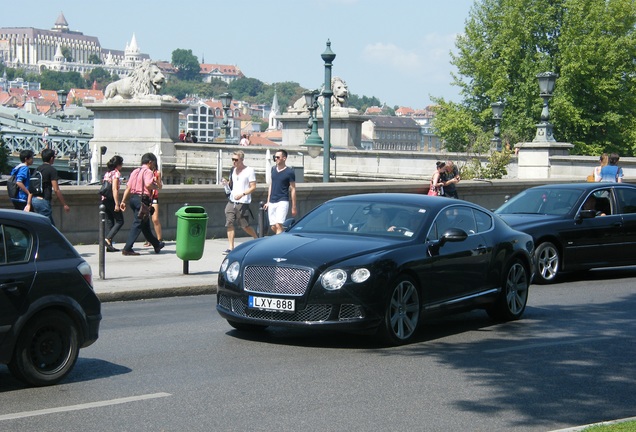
[[80, 226]]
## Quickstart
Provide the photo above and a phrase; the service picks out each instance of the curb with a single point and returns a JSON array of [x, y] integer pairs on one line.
[[145, 294]]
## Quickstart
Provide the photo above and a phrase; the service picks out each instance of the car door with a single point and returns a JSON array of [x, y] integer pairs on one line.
[[17, 272], [593, 241], [458, 268], [626, 206]]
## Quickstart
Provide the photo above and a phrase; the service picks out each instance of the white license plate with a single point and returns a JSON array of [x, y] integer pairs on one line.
[[272, 304]]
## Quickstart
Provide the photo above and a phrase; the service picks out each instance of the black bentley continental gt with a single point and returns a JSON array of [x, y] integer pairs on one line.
[[577, 226], [378, 262]]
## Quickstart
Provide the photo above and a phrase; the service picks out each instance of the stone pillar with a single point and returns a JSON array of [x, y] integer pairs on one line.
[[131, 128], [346, 128], [534, 158]]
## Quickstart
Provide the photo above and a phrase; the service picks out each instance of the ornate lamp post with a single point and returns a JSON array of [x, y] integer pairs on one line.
[[547, 81], [313, 142], [313, 145], [497, 114], [226, 100], [328, 57], [61, 99]]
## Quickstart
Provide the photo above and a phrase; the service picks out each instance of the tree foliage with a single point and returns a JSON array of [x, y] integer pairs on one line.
[[4, 158], [94, 59], [187, 64], [506, 43], [68, 55], [101, 76]]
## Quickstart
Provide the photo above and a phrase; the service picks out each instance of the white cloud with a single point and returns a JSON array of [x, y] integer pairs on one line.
[[430, 57]]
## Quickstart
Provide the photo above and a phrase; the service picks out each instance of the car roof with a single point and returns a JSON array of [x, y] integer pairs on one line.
[[431, 202], [23, 217], [585, 186]]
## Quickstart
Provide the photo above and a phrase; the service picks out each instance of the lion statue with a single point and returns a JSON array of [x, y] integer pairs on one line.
[[144, 82], [338, 99]]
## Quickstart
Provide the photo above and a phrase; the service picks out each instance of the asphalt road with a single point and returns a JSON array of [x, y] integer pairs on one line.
[[174, 365]]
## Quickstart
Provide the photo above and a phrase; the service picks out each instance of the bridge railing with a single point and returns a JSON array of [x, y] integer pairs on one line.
[[66, 145]]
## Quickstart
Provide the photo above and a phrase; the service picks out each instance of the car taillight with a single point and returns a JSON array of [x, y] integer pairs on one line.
[[85, 269]]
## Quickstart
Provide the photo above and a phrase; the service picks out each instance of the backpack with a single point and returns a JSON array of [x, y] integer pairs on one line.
[[36, 183], [12, 187], [12, 183]]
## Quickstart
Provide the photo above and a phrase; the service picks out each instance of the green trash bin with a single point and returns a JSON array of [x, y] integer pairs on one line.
[[192, 225]]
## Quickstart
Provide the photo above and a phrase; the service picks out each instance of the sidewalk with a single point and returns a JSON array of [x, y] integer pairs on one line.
[[152, 275]]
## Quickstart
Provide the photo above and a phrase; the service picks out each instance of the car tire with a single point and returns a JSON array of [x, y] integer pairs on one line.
[[46, 350], [547, 262], [402, 313], [246, 327], [511, 302]]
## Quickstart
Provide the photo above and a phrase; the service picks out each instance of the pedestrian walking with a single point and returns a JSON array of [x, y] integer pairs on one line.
[[23, 199], [237, 210], [139, 189], [156, 222], [282, 191], [111, 201], [41, 201]]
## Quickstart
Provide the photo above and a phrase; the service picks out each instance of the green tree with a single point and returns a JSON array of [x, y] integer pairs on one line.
[[4, 158], [94, 59], [53, 80], [101, 76], [506, 43], [66, 52], [244, 88], [187, 64]]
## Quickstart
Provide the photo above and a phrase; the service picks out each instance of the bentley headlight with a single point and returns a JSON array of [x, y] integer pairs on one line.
[[232, 271], [333, 279], [224, 264], [360, 275]]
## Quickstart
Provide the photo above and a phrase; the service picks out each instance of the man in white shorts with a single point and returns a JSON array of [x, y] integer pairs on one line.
[[282, 190]]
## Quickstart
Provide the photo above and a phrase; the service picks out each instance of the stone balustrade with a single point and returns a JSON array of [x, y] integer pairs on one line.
[[80, 226]]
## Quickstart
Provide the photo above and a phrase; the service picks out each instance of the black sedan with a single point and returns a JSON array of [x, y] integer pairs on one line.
[[576, 226], [378, 262], [48, 309]]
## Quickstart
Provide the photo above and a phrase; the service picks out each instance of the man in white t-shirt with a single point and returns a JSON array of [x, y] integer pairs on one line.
[[243, 183]]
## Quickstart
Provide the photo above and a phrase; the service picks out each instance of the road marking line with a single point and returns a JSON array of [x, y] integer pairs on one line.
[[544, 344], [82, 406]]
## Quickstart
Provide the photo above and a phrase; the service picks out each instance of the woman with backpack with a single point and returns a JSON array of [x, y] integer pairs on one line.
[[612, 172]]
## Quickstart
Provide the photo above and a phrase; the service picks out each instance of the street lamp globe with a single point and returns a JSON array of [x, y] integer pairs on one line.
[[497, 110], [226, 100], [61, 98], [547, 81]]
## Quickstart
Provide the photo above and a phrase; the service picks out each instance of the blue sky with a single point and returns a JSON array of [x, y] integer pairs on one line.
[[397, 51]]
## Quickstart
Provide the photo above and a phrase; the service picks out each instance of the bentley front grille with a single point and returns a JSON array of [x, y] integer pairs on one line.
[[276, 280]]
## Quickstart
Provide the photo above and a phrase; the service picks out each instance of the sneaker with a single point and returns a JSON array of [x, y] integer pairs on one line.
[[147, 244], [159, 247], [129, 252], [227, 251]]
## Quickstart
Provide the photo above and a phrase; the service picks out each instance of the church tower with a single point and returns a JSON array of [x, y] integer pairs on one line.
[[275, 111], [131, 54]]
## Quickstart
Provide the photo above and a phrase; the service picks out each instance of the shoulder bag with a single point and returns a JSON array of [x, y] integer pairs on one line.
[[144, 209]]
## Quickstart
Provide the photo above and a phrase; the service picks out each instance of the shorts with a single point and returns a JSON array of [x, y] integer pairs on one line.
[[237, 212], [277, 212]]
